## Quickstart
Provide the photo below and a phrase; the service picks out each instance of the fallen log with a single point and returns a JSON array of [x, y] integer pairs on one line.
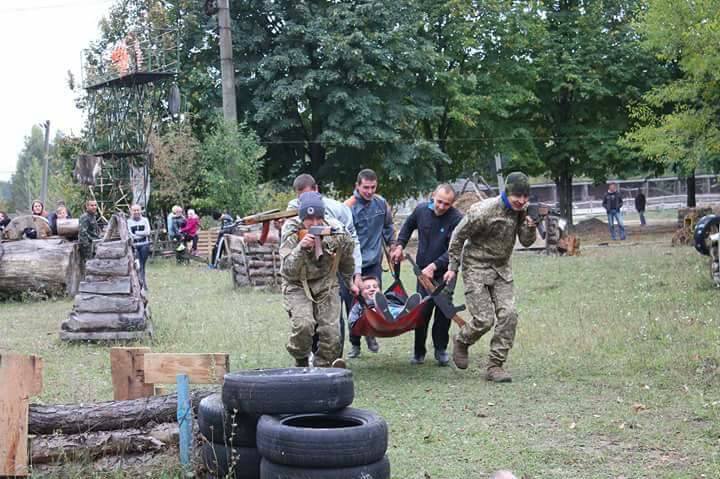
[[44, 265], [14, 229], [262, 264], [91, 445], [105, 321], [262, 273], [109, 285], [111, 250], [106, 416], [96, 303], [69, 227], [108, 267]]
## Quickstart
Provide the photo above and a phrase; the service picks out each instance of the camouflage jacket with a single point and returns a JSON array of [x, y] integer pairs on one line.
[[299, 265], [89, 231], [490, 229]]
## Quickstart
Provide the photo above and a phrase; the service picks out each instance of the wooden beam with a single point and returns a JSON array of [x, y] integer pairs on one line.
[[128, 378], [20, 377], [162, 368]]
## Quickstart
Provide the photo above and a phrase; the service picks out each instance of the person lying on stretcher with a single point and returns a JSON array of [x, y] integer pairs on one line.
[[390, 307]]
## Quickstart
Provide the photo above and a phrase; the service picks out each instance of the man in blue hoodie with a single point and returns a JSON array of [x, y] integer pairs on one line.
[[373, 223]]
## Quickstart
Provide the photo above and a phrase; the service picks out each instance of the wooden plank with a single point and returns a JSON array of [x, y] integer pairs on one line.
[[20, 377], [128, 378], [163, 368]]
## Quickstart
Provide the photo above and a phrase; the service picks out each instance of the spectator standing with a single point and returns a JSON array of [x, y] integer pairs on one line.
[[373, 223], [139, 227], [640, 202], [613, 202], [435, 222], [89, 230]]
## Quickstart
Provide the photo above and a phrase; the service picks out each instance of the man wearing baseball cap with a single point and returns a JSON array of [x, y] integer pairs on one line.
[[490, 228], [310, 281]]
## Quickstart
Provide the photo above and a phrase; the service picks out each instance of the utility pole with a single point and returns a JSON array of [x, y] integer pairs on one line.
[[44, 186], [227, 67]]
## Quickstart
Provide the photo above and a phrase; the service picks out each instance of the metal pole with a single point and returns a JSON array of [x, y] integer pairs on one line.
[[227, 68], [498, 168], [44, 186], [184, 418]]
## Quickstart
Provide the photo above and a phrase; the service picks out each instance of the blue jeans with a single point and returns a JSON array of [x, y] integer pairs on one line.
[[616, 215], [642, 218]]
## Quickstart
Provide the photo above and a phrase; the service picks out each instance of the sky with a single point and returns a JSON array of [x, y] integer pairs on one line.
[[41, 40]]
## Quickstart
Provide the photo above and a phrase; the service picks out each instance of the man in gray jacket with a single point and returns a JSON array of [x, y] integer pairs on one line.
[[374, 225]]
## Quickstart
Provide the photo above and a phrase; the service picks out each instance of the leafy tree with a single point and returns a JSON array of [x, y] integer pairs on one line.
[[482, 80], [175, 169], [230, 169], [28, 170], [590, 67], [333, 87], [677, 122]]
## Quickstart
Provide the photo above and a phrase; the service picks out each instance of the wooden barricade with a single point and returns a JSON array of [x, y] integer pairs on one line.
[[20, 378], [137, 372]]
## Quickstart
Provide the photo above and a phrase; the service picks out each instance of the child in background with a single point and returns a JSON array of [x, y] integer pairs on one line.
[[189, 231], [374, 298]]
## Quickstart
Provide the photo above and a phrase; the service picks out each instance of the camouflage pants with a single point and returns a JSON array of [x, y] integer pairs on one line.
[[308, 317], [490, 301]]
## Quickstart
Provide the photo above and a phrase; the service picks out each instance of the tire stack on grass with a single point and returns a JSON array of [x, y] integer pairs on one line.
[[305, 431], [229, 448]]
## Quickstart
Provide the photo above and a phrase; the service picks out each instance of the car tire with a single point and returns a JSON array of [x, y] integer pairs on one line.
[[288, 391], [347, 438], [222, 426], [376, 470], [235, 462], [703, 228]]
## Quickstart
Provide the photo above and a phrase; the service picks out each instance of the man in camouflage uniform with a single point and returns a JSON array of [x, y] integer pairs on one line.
[[89, 230], [310, 284], [490, 229]]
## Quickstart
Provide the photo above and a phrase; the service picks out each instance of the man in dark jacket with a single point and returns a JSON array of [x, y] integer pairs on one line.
[[612, 202], [640, 207], [435, 221]]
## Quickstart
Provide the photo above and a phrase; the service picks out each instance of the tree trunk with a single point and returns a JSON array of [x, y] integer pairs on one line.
[[690, 181], [14, 229], [563, 182], [95, 303], [106, 416], [44, 265], [105, 321], [91, 445]]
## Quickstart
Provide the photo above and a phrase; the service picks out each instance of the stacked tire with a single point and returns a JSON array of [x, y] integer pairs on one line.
[[229, 448], [306, 429]]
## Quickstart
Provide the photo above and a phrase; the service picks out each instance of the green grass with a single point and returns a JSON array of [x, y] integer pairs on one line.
[[615, 367]]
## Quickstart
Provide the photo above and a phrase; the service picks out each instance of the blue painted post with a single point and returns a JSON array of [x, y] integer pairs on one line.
[[184, 417]]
